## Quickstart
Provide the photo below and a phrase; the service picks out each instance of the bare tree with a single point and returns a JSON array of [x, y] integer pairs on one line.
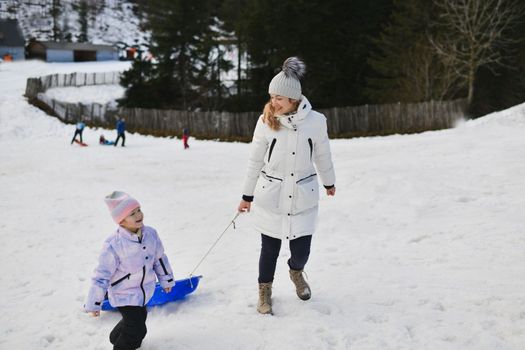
[[425, 77], [473, 33]]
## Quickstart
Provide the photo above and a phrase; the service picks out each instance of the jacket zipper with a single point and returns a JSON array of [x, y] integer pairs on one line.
[[271, 149], [311, 147], [120, 280], [142, 286]]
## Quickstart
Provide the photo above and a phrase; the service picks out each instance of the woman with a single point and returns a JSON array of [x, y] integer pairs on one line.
[[289, 140]]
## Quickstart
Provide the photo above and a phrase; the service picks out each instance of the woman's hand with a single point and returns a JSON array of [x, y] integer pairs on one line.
[[330, 191], [167, 290], [244, 206]]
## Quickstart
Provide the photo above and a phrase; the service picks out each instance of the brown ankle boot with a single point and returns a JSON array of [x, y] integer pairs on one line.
[[264, 306], [301, 287]]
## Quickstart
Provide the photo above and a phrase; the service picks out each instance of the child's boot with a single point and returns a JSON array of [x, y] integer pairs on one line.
[[264, 306], [301, 287]]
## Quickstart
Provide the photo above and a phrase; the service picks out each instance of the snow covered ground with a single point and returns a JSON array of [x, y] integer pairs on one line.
[[421, 248], [87, 94]]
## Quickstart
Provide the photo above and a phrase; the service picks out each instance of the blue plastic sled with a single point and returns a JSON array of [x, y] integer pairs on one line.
[[179, 291]]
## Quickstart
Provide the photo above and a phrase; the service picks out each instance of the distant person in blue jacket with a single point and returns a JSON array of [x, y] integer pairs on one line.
[[78, 131], [121, 131]]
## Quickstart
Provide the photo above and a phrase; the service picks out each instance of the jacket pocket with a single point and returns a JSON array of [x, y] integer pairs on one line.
[[120, 280], [307, 193], [268, 191]]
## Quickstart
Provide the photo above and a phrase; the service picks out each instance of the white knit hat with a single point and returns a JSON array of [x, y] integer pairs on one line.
[[120, 205], [286, 82]]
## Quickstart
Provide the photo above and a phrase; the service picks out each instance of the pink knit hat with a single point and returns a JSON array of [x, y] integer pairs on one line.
[[120, 205]]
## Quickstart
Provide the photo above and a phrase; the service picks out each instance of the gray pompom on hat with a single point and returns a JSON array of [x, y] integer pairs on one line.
[[286, 82]]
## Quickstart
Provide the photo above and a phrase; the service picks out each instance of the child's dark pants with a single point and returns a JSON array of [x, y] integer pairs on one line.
[[129, 332], [270, 247]]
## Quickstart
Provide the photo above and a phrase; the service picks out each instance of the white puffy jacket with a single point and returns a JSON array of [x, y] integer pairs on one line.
[[281, 174]]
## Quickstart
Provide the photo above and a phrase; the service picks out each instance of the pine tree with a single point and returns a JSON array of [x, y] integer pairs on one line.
[[140, 91], [183, 43], [83, 20], [66, 29], [272, 34], [405, 67], [332, 36], [232, 13], [55, 12]]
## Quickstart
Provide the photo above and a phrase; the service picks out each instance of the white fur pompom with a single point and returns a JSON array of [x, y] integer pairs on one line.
[[294, 67]]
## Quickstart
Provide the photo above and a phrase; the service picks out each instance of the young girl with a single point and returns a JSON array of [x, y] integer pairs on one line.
[[131, 260]]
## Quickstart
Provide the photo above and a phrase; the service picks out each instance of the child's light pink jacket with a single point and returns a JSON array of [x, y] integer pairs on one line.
[[128, 268]]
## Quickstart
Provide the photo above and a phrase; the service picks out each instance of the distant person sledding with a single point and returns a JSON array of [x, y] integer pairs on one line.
[[102, 140], [78, 131]]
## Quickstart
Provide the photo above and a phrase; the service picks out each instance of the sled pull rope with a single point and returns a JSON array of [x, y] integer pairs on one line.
[[215, 243]]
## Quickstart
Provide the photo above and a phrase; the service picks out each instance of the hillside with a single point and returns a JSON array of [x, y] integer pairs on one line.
[[109, 21]]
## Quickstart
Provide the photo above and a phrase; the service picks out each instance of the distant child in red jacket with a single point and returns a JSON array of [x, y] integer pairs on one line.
[[185, 137]]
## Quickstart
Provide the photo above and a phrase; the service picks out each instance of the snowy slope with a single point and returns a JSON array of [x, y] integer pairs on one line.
[[113, 22], [421, 248]]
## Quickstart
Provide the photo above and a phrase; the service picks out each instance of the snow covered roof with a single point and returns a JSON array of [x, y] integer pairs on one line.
[[10, 33], [54, 45]]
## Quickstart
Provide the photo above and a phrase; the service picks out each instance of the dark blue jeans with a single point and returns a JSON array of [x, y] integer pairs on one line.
[[270, 247]]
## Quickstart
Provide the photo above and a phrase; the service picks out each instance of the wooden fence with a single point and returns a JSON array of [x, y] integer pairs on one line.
[[395, 118], [367, 120], [36, 85]]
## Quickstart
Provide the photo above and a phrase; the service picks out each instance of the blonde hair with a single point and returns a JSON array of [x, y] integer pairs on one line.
[[269, 116]]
